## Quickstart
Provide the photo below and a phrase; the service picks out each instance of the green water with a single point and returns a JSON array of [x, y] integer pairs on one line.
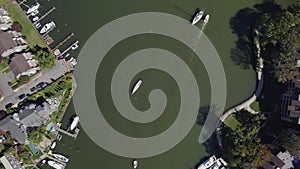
[[85, 17]]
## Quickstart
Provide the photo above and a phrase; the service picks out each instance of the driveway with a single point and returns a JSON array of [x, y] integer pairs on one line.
[[11, 96]]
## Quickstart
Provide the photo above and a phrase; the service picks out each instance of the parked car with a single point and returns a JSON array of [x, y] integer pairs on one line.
[[22, 96], [32, 89], [9, 105]]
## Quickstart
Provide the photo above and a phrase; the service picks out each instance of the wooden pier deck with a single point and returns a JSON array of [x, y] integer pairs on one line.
[[42, 17], [63, 41]]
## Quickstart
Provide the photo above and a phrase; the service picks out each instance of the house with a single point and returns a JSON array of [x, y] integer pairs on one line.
[[290, 102], [9, 162], [16, 130], [273, 163], [11, 42], [287, 158], [5, 20], [19, 65], [34, 116]]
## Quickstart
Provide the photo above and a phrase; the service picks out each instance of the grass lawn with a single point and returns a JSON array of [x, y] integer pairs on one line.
[[232, 122], [4, 64], [255, 106], [32, 36], [3, 2]]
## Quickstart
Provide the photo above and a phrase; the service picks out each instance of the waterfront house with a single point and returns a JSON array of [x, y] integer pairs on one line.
[[11, 42], [20, 66], [16, 130], [9, 162]]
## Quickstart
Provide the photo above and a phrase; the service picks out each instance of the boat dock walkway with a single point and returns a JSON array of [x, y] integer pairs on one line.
[[49, 157], [21, 3], [69, 48], [63, 41], [73, 135], [42, 17]]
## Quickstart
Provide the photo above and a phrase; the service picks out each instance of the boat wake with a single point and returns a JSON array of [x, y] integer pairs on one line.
[[196, 39]]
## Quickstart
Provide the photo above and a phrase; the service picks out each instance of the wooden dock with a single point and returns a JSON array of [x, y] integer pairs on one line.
[[73, 135], [69, 48], [63, 41], [42, 17]]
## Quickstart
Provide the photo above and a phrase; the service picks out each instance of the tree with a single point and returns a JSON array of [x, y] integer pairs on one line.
[[285, 67], [45, 58], [291, 141], [36, 135]]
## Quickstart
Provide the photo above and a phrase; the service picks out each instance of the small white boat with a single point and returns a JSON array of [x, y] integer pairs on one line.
[[136, 86], [206, 18], [134, 164], [34, 6], [35, 18], [34, 13], [43, 162], [75, 46], [61, 157], [56, 165], [197, 17], [53, 145], [208, 163], [76, 119]]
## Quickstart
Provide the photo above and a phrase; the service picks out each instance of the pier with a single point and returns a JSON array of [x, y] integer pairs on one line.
[[63, 41], [73, 135], [47, 13], [69, 48]]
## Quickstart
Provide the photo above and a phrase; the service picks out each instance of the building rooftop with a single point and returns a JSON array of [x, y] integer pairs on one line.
[[16, 131], [287, 158], [18, 65], [273, 163], [6, 42], [9, 162]]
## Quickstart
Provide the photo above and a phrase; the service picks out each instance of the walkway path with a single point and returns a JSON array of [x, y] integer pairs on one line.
[[260, 81]]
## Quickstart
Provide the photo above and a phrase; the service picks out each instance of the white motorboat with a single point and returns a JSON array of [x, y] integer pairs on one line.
[[56, 165], [53, 145], [136, 86], [76, 119], [34, 13], [38, 25], [35, 6], [75, 46], [197, 17], [206, 18], [208, 163], [35, 18], [135, 164], [47, 27], [61, 157]]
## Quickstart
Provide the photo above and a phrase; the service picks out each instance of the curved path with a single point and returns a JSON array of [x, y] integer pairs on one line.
[[260, 81]]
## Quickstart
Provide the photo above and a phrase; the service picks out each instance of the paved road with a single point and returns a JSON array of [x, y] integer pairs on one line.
[[11, 96]]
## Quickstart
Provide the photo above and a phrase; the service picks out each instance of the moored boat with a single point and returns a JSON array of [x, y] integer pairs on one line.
[[35, 18], [47, 27], [76, 119], [197, 17], [61, 157], [206, 18], [208, 163], [136, 86], [134, 164], [33, 7], [56, 165]]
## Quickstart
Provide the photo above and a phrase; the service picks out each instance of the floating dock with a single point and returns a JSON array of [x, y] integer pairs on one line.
[[69, 48], [63, 41]]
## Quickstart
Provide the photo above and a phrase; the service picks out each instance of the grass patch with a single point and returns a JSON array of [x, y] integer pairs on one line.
[[7, 70], [232, 122], [32, 36], [255, 106], [4, 65], [2, 2]]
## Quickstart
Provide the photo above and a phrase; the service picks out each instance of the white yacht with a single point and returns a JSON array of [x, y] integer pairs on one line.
[[34, 13], [47, 27], [206, 18], [35, 6], [208, 163], [197, 17], [61, 157], [35, 18], [56, 165], [136, 86], [135, 164], [76, 119]]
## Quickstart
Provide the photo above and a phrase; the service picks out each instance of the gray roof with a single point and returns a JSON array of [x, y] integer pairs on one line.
[[30, 119], [18, 65], [16, 131], [9, 162], [44, 110], [6, 42]]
